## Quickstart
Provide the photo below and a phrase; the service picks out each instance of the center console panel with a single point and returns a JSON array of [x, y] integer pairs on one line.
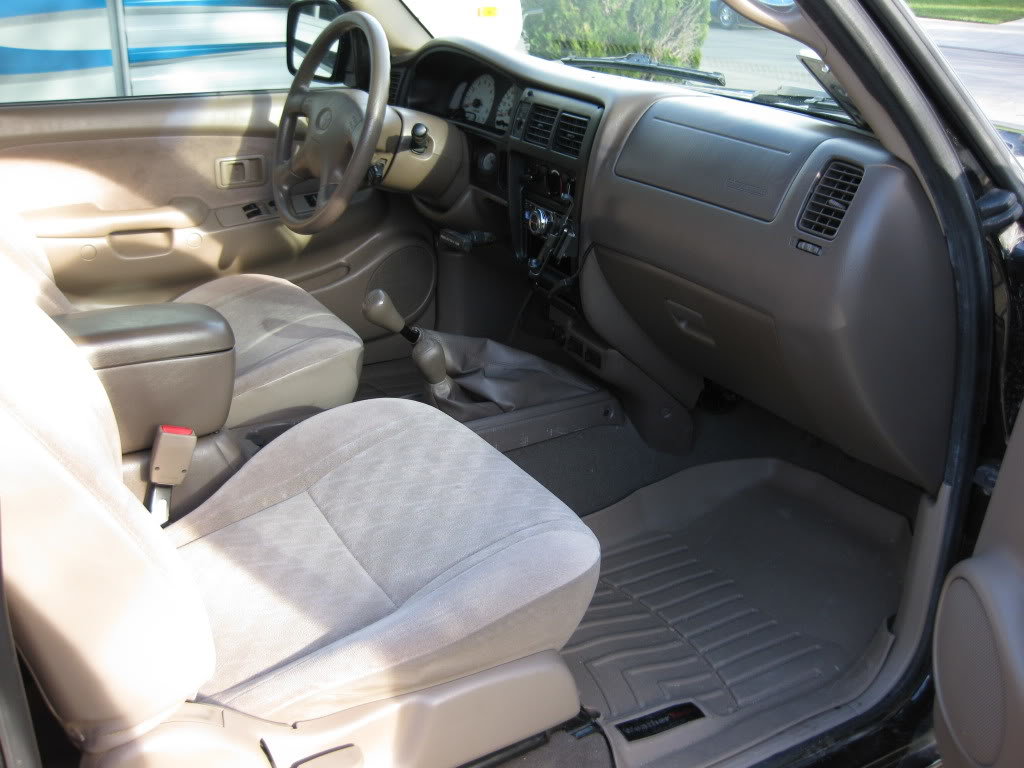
[[549, 147]]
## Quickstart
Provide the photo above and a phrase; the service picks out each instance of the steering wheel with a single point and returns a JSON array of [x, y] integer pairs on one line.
[[343, 129]]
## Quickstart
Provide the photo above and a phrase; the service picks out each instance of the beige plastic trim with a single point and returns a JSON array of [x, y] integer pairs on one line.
[[789, 20], [87, 220], [404, 31], [438, 727], [431, 173], [427, 174]]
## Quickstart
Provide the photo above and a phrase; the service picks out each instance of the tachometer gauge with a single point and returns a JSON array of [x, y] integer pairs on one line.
[[503, 117], [478, 100]]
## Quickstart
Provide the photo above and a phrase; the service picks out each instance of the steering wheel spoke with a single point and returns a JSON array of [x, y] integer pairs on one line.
[[285, 177], [296, 105]]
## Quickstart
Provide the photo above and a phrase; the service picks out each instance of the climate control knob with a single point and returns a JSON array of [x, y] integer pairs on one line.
[[539, 222]]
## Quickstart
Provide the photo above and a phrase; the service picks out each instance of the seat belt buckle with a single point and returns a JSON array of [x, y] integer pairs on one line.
[[169, 463]]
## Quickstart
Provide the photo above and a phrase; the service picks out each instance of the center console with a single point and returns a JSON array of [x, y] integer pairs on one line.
[[170, 363]]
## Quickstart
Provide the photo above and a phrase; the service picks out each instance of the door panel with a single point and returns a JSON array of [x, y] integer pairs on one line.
[[979, 635], [138, 200]]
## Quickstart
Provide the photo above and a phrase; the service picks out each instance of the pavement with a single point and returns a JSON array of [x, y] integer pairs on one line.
[[988, 58]]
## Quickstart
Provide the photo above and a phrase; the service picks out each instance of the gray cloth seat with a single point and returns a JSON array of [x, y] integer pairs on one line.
[[375, 549], [381, 517], [291, 351]]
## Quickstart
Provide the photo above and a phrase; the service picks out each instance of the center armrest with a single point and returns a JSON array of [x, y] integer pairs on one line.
[[142, 334]]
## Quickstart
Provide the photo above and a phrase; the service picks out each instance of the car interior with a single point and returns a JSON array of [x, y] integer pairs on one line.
[[599, 422]]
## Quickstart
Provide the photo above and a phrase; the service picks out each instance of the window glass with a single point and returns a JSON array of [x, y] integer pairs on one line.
[[73, 49], [55, 49], [983, 41]]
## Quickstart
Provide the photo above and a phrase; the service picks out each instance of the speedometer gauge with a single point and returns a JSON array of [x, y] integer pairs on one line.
[[503, 117], [478, 100]]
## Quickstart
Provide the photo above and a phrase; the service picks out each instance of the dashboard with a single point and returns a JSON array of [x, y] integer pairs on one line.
[[794, 260]]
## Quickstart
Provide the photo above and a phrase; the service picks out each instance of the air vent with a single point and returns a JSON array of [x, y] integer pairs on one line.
[[830, 199], [396, 85], [540, 124], [569, 133]]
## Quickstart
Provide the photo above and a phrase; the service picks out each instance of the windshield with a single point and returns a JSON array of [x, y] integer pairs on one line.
[[982, 39], [698, 34]]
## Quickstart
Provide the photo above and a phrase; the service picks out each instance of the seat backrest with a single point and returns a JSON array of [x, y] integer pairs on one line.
[[20, 247], [103, 609]]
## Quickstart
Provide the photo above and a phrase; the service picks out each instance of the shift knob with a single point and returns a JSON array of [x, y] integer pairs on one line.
[[378, 309], [428, 354]]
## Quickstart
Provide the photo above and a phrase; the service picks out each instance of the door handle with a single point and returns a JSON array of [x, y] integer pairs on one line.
[[242, 171], [89, 221]]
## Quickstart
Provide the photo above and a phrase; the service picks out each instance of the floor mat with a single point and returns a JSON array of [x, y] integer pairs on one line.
[[736, 586]]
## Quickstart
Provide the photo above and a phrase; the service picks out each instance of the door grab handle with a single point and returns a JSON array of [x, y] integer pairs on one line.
[[87, 220], [241, 171]]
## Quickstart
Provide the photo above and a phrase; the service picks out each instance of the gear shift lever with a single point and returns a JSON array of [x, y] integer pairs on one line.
[[427, 352], [379, 310]]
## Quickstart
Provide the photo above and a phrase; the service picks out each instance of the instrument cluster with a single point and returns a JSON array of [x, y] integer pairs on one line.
[[462, 89], [484, 101]]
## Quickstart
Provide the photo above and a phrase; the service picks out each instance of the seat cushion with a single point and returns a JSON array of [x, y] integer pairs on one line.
[[377, 549], [291, 352]]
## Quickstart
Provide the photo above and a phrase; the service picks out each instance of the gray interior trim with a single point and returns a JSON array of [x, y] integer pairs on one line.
[[146, 332]]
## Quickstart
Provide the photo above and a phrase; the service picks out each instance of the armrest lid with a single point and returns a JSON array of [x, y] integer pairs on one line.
[[146, 333]]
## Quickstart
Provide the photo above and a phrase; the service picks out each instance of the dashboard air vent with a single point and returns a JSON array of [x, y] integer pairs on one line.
[[569, 133], [832, 195], [396, 85], [540, 124]]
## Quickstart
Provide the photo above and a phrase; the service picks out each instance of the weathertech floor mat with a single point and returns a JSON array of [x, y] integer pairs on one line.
[[734, 587]]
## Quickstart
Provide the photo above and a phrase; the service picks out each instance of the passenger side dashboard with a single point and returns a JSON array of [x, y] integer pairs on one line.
[[793, 261]]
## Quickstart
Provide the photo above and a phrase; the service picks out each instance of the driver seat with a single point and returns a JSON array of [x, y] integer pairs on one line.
[[291, 352]]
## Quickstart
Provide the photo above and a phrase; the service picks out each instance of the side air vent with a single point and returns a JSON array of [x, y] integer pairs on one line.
[[396, 85], [828, 203], [540, 124], [569, 133]]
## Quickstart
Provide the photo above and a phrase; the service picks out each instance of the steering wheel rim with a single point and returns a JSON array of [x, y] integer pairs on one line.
[[331, 151]]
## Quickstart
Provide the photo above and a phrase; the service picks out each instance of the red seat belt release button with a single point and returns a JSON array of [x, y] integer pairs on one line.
[[172, 454]]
